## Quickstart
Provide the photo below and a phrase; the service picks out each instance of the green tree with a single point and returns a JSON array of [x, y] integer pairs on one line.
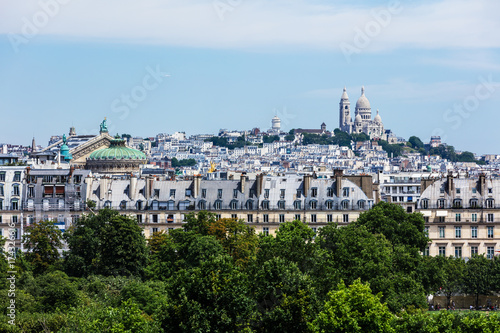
[[452, 276], [105, 243], [477, 278], [353, 309], [415, 142], [399, 227], [286, 301], [42, 241]]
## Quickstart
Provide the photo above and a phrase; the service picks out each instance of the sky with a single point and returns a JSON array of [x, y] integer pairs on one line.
[[197, 66]]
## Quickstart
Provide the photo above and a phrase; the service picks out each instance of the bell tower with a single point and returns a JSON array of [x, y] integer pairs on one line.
[[345, 120]]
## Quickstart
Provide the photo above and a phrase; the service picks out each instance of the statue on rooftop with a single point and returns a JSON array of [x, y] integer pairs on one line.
[[104, 127]]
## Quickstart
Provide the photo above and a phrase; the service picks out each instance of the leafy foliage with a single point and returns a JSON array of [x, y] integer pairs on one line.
[[42, 241]]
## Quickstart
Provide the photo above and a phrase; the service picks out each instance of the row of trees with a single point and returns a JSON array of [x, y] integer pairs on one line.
[[219, 275]]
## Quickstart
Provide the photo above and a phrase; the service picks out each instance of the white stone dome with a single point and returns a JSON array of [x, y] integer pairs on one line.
[[377, 118], [363, 102], [358, 119]]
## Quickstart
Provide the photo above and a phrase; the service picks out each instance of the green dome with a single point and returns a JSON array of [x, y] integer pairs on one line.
[[117, 151]]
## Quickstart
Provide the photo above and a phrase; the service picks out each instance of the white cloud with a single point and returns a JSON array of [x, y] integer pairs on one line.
[[260, 24]]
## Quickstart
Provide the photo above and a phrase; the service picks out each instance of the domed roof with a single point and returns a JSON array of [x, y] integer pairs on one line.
[[358, 119], [363, 102], [117, 151], [377, 118], [344, 95]]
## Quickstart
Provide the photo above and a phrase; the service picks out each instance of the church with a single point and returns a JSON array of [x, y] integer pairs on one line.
[[363, 122]]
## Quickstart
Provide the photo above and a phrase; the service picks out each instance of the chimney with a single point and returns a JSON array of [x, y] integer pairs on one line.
[[337, 173], [196, 185], [307, 184], [482, 184], [449, 183], [149, 187], [132, 187], [259, 179], [243, 179]]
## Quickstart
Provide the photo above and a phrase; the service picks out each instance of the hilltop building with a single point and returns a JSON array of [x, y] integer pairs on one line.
[[363, 122]]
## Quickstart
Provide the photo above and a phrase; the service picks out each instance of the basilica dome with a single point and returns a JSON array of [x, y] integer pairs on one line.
[[363, 102]]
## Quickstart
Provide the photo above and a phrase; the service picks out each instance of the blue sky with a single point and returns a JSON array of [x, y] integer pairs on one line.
[[236, 63]]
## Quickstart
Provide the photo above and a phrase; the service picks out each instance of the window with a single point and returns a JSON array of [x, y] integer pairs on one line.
[[282, 218], [314, 192], [473, 232], [458, 217], [123, 205], [490, 203], [204, 193], [473, 250], [329, 192], [458, 190], [15, 205], [426, 251], [345, 218], [235, 193], [441, 232], [217, 217], [14, 218], [474, 217], [250, 204], [281, 204], [296, 204], [361, 204], [458, 232], [155, 218], [490, 252], [219, 193], [202, 205], [490, 190], [217, 204], [345, 192], [1, 190], [490, 232], [297, 217], [234, 216], [266, 193], [313, 217], [329, 204], [490, 217], [234, 204], [265, 204], [2, 176], [17, 176], [265, 217], [1, 204], [329, 218], [458, 252], [299, 193], [265, 231], [31, 192], [154, 230], [313, 204], [345, 204], [440, 203], [139, 218], [474, 203], [457, 203], [282, 193], [425, 203], [442, 251], [474, 190], [426, 230]]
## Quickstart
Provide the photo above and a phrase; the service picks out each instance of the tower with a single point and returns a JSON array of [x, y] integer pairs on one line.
[[276, 124], [363, 107], [345, 121]]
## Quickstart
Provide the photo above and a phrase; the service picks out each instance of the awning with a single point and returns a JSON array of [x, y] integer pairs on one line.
[[426, 212], [442, 213]]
